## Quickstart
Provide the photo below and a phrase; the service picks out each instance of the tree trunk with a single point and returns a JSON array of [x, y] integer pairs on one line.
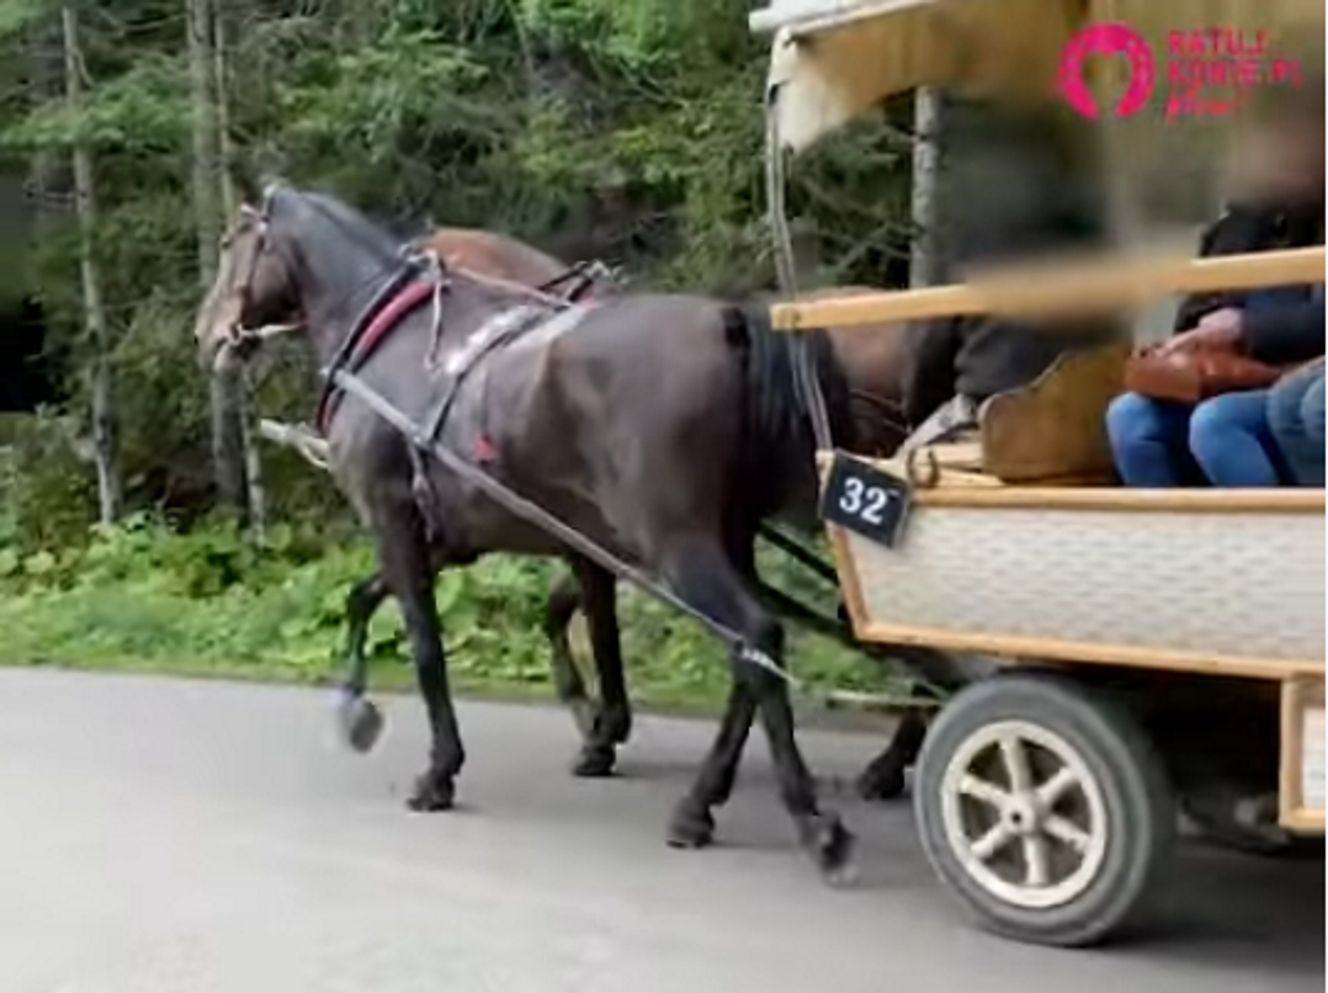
[[255, 493], [103, 373], [253, 464], [225, 150], [925, 267], [223, 388], [45, 48], [205, 164]]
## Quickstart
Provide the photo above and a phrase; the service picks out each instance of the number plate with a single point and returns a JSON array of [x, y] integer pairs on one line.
[[865, 500]]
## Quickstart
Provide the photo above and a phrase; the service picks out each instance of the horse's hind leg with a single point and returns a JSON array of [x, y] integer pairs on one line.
[[693, 825], [705, 577], [562, 604], [613, 720], [883, 779], [408, 573]]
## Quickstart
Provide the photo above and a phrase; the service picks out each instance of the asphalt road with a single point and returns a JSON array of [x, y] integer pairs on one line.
[[162, 836]]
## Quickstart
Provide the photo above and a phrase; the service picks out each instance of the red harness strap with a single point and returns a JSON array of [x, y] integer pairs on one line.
[[386, 320], [393, 313]]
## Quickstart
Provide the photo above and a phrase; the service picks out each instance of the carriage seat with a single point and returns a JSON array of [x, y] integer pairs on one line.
[[1051, 432]]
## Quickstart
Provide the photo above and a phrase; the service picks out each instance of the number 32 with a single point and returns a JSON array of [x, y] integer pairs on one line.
[[866, 502]]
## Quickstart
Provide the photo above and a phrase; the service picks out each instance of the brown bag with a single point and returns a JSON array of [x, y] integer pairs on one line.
[[1192, 377]]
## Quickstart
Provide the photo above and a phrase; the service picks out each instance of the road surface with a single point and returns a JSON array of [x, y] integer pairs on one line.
[[161, 836]]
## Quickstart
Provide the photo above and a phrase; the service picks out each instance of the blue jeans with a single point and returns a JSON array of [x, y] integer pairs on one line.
[[1225, 441], [1295, 414]]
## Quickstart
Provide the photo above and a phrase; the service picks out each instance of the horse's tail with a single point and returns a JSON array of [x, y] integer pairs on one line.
[[748, 332], [778, 436], [775, 436]]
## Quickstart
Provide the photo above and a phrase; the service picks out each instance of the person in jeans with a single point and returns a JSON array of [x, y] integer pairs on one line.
[[1295, 415], [1227, 440]]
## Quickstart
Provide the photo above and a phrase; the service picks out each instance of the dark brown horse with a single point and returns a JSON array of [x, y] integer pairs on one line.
[[605, 723], [871, 364], [665, 428]]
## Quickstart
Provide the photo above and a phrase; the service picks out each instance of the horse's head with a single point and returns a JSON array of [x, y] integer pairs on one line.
[[254, 288]]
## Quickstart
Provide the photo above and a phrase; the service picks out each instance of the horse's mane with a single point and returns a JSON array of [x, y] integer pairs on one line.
[[356, 225]]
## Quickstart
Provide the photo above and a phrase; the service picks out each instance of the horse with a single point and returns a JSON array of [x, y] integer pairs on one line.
[[663, 428], [872, 364], [602, 725]]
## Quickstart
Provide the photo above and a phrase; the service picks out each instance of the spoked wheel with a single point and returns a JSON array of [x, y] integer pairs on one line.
[[1045, 810]]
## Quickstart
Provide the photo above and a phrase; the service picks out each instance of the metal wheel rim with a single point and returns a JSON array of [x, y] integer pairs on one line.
[[1048, 808]]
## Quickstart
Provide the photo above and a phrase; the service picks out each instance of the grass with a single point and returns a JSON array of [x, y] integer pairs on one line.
[[142, 598]]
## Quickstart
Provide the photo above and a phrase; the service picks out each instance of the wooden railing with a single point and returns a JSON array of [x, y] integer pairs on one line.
[[1062, 288]]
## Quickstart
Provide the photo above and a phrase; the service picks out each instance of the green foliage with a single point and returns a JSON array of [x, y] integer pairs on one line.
[[16, 14], [391, 108], [210, 601], [47, 493], [629, 130], [146, 110]]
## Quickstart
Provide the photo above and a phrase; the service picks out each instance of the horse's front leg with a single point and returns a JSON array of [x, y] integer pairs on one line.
[[408, 573], [361, 721]]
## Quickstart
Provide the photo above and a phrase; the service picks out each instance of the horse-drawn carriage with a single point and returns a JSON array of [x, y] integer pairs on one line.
[[1153, 643], [1158, 643]]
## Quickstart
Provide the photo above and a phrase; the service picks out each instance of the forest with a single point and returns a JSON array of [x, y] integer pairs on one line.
[[143, 522]]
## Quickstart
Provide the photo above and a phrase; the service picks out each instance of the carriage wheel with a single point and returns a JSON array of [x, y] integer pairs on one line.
[[1045, 810]]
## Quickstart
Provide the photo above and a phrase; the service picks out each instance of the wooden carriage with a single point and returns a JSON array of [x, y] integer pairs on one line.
[[1045, 795]]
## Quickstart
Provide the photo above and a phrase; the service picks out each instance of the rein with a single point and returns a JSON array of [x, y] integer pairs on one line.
[[406, 282], [399, 294]]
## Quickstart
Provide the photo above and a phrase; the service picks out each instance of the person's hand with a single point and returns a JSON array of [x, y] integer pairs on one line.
[[1219, 331]]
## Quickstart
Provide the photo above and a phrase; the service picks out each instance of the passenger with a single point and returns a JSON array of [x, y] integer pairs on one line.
[[1295, 414], [1050, 200], [1227, 440]]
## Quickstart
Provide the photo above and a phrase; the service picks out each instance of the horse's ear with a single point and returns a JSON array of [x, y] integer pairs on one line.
[[243, 179], [271, 184]]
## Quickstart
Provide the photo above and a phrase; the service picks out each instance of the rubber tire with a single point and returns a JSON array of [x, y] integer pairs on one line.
[[1139, 803]]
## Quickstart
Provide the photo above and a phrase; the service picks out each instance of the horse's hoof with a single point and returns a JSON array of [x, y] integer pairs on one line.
[[690, 827], [594, 761], [881, 783], [831, 845], [361, 722], [616, 725], [433, 791]]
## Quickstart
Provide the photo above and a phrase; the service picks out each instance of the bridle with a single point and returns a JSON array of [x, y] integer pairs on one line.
[[238, 341]]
